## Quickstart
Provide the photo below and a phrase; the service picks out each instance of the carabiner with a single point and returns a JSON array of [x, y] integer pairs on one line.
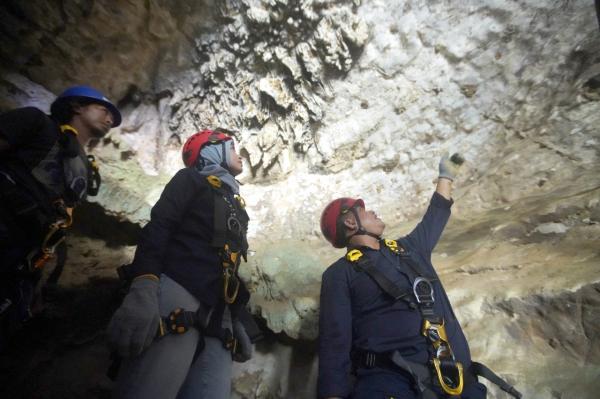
[[423, 290]]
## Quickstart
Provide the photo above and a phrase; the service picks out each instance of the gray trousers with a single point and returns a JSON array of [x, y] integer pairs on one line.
[[167, 369]]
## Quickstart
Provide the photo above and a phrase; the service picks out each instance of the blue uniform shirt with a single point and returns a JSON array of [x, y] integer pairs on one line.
[[356, 314]]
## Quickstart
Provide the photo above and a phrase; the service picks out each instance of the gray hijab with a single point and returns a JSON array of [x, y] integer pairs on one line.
[[213, 164]]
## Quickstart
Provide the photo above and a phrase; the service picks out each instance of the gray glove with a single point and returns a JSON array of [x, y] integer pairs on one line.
[[134, 325], [449, 166], [245, 348]]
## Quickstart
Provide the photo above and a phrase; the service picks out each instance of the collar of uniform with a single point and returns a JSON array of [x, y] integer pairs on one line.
[[364, 248]]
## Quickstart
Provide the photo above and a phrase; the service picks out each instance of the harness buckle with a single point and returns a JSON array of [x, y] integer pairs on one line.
[[231, 344], [230, 294], [234, 225], [370, 359], [231, 260], [53, 238], [436, 333], [423, 290], [176, 322]]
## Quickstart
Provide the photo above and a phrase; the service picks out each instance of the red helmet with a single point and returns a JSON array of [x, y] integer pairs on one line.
[[330, 220], [193, 145]]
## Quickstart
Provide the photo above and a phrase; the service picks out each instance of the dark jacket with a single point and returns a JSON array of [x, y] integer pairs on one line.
[[179, 239], [41, 166], [357, 314], [44, 157]]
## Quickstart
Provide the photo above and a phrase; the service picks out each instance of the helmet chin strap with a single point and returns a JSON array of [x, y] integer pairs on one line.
[[224, 154], [361, 230]]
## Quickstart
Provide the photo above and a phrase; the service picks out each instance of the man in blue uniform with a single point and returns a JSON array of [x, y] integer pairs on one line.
[[44, 171], [387, 329]]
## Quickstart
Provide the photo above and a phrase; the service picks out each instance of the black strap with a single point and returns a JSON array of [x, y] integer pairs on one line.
[[386, 285], [252, 329], [215, 329], [365, 264], [361, 231], [220, 220], [482, 370], [228, 211], [419, 373], [224, 155], [414, 269], [180, 321]]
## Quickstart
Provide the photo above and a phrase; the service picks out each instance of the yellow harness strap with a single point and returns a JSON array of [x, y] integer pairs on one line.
[[230, 264], [68, 128]]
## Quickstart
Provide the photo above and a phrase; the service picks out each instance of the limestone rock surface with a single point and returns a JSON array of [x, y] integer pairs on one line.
[[330, 98]]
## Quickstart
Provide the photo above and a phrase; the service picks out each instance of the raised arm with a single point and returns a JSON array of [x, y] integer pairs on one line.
[[444, 188], [427, 233], [449, 168]]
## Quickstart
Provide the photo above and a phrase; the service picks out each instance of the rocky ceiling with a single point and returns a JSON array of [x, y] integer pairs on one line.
[[330, 98]]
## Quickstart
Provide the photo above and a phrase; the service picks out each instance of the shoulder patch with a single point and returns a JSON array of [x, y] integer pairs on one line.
[[354, 255], [214, 181]]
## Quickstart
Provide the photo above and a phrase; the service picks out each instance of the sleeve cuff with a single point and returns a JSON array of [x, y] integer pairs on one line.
[[439, 201]]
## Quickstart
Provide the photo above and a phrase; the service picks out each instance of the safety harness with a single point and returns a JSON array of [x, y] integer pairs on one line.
[[180, 321], [229, 235], [442, 370], [230, 226], [71, 150], [27, 206], [37, 259]]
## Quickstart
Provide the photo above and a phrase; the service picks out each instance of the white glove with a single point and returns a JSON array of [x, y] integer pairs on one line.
[[449, 166]]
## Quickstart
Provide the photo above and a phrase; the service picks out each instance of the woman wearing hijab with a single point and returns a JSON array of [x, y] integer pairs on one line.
[[178, 328]]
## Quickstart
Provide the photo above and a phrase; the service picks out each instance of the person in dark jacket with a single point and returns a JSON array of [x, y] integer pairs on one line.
[[44, 173], [187, 259], [385, 316]]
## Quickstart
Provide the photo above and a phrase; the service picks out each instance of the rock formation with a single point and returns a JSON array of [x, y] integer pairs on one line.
[[329, 98]]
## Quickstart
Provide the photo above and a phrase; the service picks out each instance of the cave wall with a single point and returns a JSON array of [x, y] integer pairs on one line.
[[329, 98]]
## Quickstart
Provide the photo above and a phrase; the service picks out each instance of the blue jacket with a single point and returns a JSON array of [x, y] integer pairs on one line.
[[356, 314]]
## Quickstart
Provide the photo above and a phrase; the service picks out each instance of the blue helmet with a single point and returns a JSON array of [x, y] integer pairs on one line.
[[90, 94]]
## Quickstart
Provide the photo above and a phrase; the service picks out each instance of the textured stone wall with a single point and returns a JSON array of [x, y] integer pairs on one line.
[[329, 98]]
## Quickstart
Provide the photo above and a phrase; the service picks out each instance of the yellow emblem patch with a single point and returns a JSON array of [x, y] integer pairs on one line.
[[392, 245], [354, 255], [214, 181]]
